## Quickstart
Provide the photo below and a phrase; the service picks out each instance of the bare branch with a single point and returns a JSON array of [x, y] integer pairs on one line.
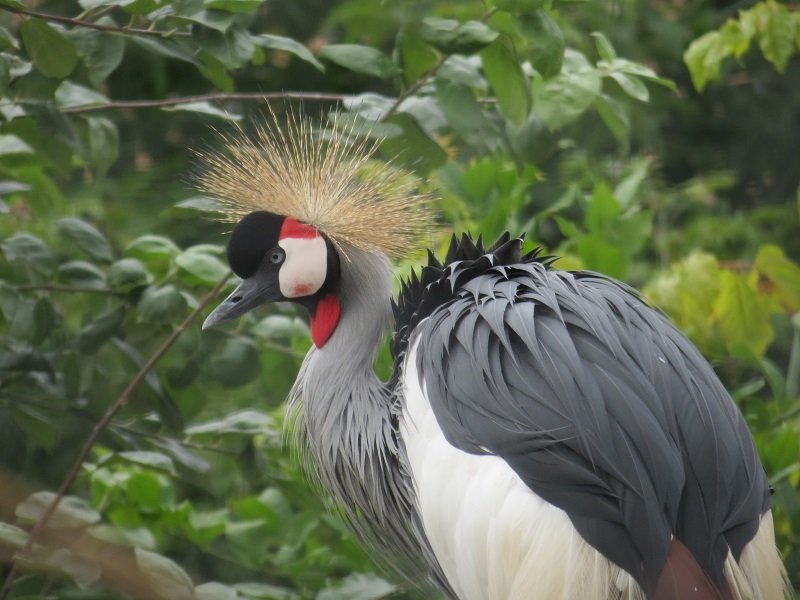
[[213, 97], [81, 23], [103, 423]]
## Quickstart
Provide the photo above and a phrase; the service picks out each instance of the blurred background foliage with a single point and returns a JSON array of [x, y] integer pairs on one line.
[[655, 141]]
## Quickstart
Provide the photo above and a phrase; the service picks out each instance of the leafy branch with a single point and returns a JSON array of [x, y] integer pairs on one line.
[[103, 424], [91, 25]]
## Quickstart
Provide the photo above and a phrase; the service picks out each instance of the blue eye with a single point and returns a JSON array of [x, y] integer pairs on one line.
[[277, 256]]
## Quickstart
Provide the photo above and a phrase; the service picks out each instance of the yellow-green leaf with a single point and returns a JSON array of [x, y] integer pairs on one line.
[[743, 314]]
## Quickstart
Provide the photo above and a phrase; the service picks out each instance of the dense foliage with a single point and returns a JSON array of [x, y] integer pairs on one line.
[[577, 122]]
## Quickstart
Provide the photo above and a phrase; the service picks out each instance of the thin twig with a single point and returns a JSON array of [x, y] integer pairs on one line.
[[102, 424], [54, 287], [213, 97], [80, 23], [422, 80]]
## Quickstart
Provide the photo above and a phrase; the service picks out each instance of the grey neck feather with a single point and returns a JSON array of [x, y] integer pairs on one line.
[[344, 411], [345, 420]]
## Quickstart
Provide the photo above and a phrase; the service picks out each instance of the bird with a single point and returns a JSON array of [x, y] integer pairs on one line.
[[545, 434]]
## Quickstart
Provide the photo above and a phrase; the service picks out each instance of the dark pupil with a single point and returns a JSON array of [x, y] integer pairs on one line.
[[276, 258]]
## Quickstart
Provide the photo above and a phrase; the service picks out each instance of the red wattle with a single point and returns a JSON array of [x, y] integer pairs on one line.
[[296, 229], [325, 319]]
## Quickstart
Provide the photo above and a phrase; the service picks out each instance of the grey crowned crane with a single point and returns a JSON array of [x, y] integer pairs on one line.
[[545, 435]]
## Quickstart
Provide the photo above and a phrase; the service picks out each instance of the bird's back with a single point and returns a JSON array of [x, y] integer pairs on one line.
[[591, 409]]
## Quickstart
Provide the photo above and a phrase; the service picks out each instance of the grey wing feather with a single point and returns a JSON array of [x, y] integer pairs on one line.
[[602, 408]]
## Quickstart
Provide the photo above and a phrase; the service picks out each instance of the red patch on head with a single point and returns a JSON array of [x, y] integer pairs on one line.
[[296, 229], [325, 319]]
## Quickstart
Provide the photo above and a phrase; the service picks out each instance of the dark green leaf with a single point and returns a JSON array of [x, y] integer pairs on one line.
[[201, 267], [234, 48], [361, 59], [87, 237], [415, 148], [215, 71], [26, 248], [614, 115], [416, 56], [127, 274], [502, 68], [83, 274], [53, 54], [103, 144], [237, 364], [522, 6], [547, 43], [453, 37], [101, 52], [161, 305], [464, 114], [93, 335]]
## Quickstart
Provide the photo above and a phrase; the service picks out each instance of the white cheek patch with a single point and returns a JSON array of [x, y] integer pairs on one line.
[[305, 268]]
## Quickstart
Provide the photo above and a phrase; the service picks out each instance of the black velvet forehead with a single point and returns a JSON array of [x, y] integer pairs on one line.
[[250, 240]]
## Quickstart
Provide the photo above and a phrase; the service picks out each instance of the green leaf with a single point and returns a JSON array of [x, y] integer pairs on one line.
[[83, 273], [604, 48], [11, 536], [416, 56], [781, 274], [237, 364], [415, 148], [93, 335], [215, 71], [161, 305], [502, 68], [167, 579], [87, 237], [359, 586], [453, 37], [234, 5], [82, 571], [281, 327], [265, 591], [205, 108], [743, 314], [53, 54], [100, 51], [704, 55], [128, 274], [11, 144], [614, 115], [244, 422], [286, 44], [234, 48], [603, 209], [464, 114], [152, 247], [72, 95], [567, 96], [547, 44], [71, 511], [776, 33], [632, 86], [215, 591], [361, 59], [27, 249], [522, 6], [201, 267], [600, 255], [154, 460], [103, 144]]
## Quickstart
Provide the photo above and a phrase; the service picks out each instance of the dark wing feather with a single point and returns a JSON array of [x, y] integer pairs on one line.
[[597, 402]]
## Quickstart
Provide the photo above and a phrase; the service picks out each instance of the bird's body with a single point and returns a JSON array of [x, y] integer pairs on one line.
[[545, 434]]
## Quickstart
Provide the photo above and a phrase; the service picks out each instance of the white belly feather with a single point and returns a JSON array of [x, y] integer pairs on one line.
[[495, 538]]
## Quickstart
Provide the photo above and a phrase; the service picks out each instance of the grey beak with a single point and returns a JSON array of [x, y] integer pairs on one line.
[[251, 292]]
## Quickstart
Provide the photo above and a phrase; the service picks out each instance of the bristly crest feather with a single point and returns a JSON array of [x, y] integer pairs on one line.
[[326, 182]]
